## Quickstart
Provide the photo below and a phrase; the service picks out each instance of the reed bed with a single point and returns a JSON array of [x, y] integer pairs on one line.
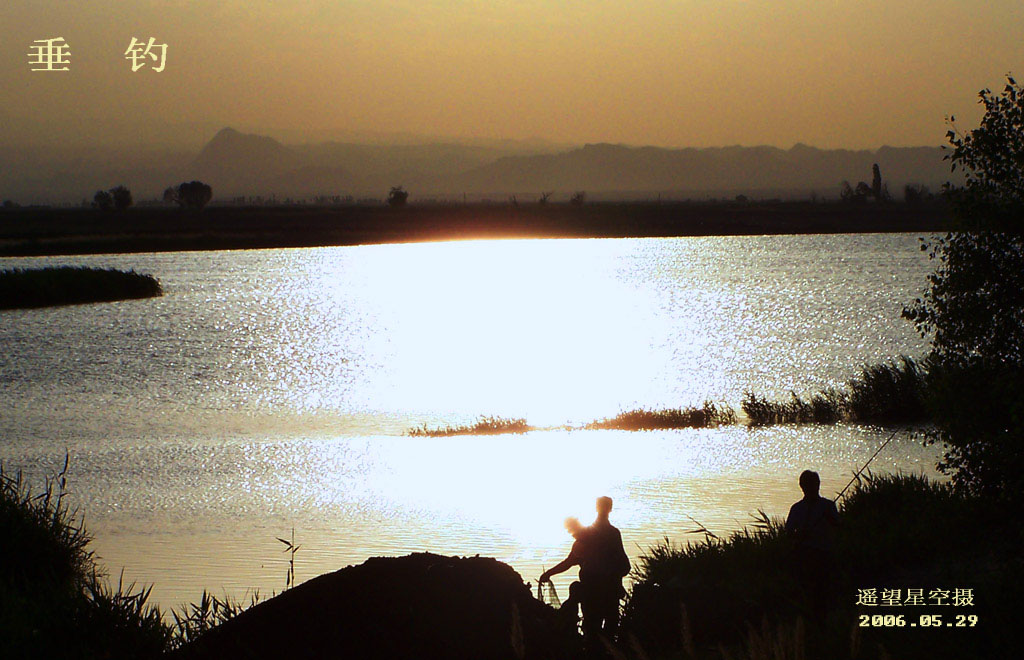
[[707, 416], [739, 598], [486, 425], [54, 599], [889, 393], [71, 285]]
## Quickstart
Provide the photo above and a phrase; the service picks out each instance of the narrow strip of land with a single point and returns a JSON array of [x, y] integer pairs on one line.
[[31, 232]]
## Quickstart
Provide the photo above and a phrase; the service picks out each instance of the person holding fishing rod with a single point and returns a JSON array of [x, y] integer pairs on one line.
[[811, 524]]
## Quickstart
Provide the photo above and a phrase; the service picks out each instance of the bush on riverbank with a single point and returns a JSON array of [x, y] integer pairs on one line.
[[888, 393], [70, 285], [899, 531]]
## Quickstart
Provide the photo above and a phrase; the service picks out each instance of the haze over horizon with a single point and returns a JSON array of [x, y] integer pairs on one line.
[[856, 75]]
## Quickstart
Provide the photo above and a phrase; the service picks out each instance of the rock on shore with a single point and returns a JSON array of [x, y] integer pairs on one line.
[[421, 606]]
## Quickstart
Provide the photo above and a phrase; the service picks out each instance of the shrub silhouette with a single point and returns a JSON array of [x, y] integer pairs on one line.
[[103, 200], [191, 195], [398, 196]]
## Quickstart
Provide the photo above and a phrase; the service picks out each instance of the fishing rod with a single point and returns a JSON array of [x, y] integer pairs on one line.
[[856, 475]]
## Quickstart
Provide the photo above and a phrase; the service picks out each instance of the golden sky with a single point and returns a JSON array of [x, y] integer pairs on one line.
[[830, 73]]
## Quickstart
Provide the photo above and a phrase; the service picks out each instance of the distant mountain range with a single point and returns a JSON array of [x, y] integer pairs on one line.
[[236, 164]]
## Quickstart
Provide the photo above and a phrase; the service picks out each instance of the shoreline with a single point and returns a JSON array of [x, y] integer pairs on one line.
[[74, 231]]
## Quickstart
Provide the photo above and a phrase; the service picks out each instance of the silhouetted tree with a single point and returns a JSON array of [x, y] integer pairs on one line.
[[398, 196], [103, 200], [9, 205], [122, 197], [974, 308], [190, 195], [578, 198], [876, 182], [544, 197]]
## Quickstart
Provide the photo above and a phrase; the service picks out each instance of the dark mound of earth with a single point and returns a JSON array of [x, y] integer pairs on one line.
[[421, 606]]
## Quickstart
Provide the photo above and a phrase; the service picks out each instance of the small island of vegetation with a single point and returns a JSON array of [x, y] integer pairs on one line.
[[72, 285]]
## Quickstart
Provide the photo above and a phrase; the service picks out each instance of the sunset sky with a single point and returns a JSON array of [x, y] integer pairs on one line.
[[843, 73]]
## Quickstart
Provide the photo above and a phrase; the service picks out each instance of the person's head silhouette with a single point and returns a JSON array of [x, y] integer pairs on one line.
[[809, 483], [574, 526], [604, 507]]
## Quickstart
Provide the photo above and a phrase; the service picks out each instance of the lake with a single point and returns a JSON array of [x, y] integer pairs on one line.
[[270, 390]]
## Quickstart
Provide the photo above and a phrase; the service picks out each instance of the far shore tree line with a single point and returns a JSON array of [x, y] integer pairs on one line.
[[878, 191], [196, 195]]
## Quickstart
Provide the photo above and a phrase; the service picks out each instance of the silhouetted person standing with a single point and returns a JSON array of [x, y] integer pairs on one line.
[[603, 563], [811, 524]]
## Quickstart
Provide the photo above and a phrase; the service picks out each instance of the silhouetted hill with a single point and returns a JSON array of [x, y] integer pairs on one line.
[[240, 164]]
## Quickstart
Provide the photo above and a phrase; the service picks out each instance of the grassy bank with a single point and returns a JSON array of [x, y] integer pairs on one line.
[[738, 596], [733, 597], [71, 285], [57, 602], [54, 600]]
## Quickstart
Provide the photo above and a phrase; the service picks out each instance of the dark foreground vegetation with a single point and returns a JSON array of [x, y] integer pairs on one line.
[[734, 597], [71, 285], [54, 600], [738, 597], [85, 231]]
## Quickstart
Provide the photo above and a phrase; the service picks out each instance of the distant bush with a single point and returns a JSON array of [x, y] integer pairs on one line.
[[398, 196], [914, 193], [69, 285], [190, 195], [118, 198], [103, 200], [122, 198]]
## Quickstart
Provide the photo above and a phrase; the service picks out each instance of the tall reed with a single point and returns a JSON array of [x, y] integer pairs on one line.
[[708, 415], [486, 425], [889, 393]]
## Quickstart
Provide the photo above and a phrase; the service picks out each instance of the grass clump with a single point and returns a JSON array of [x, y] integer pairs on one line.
[[484, 426], [738, 596], [888, 393], [54, 600], [194, 620], [71, 285], [708, 415]]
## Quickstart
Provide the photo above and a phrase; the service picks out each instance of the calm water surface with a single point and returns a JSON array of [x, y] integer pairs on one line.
[[270, 390]]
